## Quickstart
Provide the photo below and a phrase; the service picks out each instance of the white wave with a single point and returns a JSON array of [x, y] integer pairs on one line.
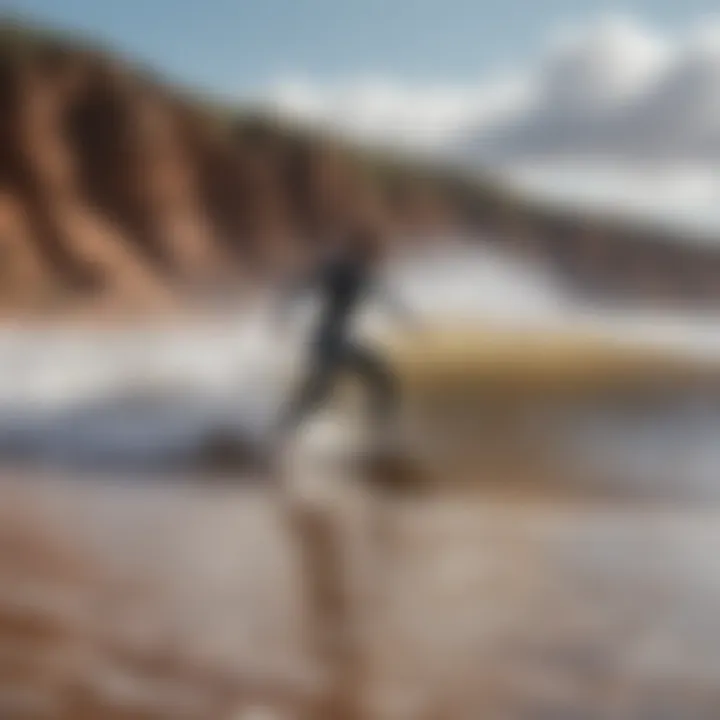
[[154, 395]]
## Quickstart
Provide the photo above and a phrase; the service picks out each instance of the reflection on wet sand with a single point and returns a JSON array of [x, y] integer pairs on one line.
[[124, 600]]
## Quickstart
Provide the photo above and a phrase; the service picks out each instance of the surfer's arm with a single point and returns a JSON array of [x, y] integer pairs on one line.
[[399, 308], [291, 293]]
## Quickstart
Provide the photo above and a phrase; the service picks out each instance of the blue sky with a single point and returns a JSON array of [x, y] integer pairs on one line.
[[236, 46], [440, 74]]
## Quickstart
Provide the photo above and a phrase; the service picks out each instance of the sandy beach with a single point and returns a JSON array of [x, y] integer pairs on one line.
[[170, 600]]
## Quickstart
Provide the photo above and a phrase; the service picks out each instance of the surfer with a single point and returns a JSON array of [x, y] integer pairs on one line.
[[344, 280]]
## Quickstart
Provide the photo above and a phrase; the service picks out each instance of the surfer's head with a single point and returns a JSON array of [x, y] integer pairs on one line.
[[366, 243]]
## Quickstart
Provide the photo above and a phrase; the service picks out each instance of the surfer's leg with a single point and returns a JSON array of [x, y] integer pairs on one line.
[[381, 383], [312, 392]]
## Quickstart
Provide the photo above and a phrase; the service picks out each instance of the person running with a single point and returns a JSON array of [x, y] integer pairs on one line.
[[344, 280]]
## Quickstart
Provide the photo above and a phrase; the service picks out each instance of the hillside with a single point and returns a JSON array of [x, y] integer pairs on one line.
[[119, 193]]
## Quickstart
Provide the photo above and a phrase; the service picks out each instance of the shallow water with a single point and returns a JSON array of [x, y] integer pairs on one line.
[[177, 600], [151, 396]]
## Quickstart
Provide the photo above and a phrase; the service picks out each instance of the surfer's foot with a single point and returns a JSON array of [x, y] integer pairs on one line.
[[387, 434], [265, 458], [270, 451]]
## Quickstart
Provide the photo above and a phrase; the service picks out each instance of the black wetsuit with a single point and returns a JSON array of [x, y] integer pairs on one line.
[[343, 284]]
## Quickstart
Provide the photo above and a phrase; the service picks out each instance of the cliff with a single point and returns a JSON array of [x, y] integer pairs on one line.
[[119, 193]]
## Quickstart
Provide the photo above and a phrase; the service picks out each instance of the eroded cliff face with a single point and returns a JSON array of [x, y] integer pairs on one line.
[[117, 193], [122, 195]]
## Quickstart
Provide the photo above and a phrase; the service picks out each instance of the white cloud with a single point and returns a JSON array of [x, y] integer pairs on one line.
[[620, 91], [682, 195], [597, 68], [613, 87], [613, 114], [389, 112]]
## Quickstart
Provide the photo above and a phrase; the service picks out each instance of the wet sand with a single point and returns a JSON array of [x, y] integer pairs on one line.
[[166, 600]]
